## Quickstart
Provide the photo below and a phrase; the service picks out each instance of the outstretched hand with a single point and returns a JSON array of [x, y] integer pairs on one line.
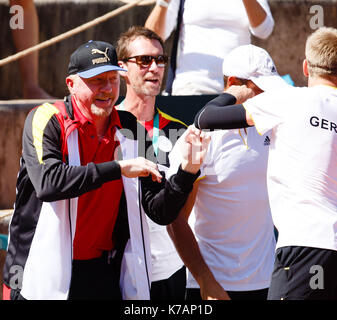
[[139, 167]]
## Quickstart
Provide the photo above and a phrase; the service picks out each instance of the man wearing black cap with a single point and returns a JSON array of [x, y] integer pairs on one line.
[[78, 231]]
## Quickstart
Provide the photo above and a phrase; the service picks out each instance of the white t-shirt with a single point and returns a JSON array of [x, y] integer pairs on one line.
[[302, 168], [231, 217], [210, 30]]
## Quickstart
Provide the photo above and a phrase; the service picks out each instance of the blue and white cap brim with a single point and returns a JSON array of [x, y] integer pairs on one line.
[[96, 71]]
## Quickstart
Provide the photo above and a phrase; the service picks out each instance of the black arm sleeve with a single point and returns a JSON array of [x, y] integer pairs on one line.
[[221, 113], [163, 201]]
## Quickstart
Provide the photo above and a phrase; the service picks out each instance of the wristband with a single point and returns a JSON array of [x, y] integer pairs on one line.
[[162, 3]]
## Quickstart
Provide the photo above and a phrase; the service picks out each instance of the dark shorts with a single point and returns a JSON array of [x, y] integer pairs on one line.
[[194, 294], [304, 273], [171, 288], [95, 279]]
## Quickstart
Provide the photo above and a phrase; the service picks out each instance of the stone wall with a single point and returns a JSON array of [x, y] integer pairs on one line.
[[292, 26], [12, 117]]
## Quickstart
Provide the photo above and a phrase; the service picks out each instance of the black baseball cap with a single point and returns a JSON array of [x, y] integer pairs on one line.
[[93, 58]]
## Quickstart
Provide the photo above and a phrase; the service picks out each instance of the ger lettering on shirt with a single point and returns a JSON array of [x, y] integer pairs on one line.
[[323, 123], [302, 183]]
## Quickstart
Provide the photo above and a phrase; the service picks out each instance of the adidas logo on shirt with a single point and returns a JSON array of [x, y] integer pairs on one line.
[[266, 141]]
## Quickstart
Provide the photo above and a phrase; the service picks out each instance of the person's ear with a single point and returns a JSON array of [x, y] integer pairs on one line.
[[305, 68], [231, 81], [70, 83], [122, 64]]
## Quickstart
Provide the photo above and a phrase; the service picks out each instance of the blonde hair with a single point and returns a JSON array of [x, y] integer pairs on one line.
[[321, 52]]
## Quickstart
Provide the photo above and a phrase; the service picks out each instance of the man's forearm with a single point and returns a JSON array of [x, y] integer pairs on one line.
[[156, 20], [188, 249], [255, 12], [185, 241], [163, 201], [221, 113]]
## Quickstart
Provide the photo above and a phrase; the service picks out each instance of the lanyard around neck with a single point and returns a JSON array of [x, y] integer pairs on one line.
[[155, 129]]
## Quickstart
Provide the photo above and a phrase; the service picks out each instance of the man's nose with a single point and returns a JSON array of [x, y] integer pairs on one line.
[[153, 65], [106, 86]]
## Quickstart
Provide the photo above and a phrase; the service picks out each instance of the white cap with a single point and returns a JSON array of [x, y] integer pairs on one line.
[[253, 63]]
